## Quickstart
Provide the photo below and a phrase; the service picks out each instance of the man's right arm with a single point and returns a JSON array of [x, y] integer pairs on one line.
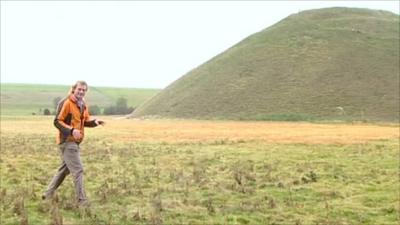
[[63, 118]]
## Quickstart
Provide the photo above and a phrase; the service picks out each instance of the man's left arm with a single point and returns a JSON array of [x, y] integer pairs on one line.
[[91, 123]]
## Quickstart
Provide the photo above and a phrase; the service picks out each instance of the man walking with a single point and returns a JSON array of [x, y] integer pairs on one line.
[[71, 117]]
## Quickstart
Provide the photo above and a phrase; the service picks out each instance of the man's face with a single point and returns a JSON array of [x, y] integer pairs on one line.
[[80, 91]]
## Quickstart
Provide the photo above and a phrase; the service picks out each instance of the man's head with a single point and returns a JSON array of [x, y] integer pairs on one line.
[[79, 89]]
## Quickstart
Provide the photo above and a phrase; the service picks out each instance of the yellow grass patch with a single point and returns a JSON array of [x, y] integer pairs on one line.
[[172, 131]]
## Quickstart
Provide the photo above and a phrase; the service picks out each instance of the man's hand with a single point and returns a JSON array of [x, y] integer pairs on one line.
[[77, 134], [99, 122]]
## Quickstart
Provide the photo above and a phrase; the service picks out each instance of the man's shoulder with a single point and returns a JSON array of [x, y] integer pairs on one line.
[[64, 101]]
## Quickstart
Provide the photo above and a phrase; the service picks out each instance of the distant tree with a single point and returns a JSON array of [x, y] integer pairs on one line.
[[110, 110], [95, 110], [121, 107], [46, 112]]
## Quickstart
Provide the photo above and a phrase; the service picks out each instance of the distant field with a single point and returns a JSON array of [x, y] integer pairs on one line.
[[25, 99], [206, 172]]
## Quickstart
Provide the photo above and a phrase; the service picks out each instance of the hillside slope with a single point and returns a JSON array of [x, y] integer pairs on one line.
[[334, 63]]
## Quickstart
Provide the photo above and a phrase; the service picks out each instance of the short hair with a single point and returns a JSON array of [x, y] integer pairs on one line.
[[79, 82]]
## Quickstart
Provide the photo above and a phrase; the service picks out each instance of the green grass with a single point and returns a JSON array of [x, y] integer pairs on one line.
[[221, 182], [284, 117], [25, 99], [310, 63]]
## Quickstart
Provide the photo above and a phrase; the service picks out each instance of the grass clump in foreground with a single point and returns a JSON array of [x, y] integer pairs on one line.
[[221, 182]]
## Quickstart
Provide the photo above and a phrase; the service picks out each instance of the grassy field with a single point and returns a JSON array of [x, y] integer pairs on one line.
[[202, 172], [25, 99]]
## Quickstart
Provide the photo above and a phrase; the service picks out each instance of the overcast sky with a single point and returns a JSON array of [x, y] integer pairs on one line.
[[132, 43]]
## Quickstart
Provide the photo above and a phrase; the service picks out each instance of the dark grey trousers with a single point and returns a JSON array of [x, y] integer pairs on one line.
[[71, 163]]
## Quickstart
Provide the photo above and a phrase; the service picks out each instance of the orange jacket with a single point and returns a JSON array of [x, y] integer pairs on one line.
[[70, 116]]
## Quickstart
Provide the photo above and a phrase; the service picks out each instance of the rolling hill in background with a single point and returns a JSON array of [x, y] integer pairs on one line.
[[324, 64], [25, 99]]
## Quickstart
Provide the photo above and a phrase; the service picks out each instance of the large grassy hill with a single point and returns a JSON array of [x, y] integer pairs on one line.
[[25, 99], [334, 63]]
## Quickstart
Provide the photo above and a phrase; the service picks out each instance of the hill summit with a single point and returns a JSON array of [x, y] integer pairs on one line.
[[333, 63]]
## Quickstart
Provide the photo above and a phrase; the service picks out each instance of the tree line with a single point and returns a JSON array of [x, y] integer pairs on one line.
[[119, 108]]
